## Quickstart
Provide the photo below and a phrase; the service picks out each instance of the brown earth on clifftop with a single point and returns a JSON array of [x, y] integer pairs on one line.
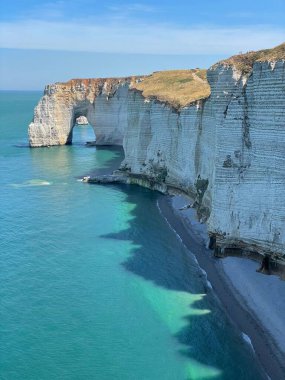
[[176, 87], [244, 62]]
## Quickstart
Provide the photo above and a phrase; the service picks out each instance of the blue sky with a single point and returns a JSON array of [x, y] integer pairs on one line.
[[45, 41]]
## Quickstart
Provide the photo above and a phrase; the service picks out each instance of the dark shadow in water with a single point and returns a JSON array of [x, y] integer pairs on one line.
[[110, 165], [205, 337]]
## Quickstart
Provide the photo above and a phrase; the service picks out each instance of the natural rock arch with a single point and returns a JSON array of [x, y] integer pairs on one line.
[[102, 101], [82, 108]]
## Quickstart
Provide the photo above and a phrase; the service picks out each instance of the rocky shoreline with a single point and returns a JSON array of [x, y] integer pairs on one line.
[[252, 320], [237, 249]]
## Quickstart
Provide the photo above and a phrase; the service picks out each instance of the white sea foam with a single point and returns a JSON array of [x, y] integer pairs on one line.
[[31, 183], [247, 339], [209, 284]]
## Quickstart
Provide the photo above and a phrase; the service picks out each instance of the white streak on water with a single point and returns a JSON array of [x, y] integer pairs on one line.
[[247, 339], [209, 284]]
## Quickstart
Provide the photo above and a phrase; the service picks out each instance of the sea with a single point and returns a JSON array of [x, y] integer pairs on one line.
[[93, 282]]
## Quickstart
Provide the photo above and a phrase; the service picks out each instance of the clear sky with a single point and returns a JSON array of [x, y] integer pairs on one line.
[[43, 41]]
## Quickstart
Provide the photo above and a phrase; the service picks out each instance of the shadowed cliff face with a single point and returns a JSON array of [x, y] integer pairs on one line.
[[226, 150]]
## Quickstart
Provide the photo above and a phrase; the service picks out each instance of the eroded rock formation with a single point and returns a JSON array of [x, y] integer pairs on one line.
[[62, 103], [81, 120], [227, 150]]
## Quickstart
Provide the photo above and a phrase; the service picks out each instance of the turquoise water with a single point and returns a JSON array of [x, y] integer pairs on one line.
[[94, 284]]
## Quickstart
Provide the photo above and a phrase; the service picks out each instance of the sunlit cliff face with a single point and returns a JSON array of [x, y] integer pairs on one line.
[[62, 103]]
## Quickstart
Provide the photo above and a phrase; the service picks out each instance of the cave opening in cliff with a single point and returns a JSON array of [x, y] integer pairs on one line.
[[82, 131]]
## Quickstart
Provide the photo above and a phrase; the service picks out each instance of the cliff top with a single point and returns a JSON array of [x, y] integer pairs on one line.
[[245, 62], [97, 81], [176, 87], [88, 88]]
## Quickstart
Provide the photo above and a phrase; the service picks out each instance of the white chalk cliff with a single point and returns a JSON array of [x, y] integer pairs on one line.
[[228, 150]]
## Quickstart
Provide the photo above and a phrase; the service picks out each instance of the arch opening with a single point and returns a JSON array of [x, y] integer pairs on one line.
[[82, 131], [83, 134]]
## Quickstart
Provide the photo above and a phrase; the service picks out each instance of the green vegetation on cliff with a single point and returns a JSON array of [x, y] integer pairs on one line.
[[177, 87]]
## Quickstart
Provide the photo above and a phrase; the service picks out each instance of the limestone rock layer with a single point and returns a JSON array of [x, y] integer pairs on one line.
[[227, 150]]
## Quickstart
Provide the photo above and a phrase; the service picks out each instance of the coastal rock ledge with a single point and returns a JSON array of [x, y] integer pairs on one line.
[[220, 139]]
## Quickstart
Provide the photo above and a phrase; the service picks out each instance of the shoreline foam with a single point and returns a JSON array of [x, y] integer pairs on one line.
[[250, 318]]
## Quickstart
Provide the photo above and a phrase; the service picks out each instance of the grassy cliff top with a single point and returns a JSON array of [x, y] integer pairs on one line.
[[176, 87], [245, 62]]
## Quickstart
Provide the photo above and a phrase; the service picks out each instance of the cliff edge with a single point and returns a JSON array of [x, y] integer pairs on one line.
[[220, 139]]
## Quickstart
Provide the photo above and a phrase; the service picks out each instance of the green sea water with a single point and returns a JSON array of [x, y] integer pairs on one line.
[[93, 282]]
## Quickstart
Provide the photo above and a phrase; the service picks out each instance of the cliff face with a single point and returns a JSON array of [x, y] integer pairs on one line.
[[227, 150], [249, 177]]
